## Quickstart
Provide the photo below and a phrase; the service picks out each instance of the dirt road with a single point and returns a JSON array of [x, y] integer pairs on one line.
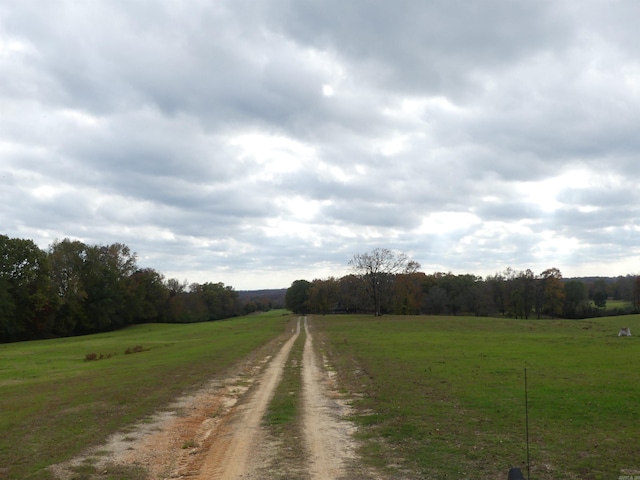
[[329, 442], [218, 433], [229, 455]]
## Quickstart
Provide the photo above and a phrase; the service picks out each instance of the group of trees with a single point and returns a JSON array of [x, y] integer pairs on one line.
[[383, 281], [73, 288]]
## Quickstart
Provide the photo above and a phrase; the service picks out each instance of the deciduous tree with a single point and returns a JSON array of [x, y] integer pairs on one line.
[[105, 274], [376, 269], [600, 299], [66, 259], [297, 295], [24, 269], [553, 292], [324, 295], [635, 299], [147, 295], [575, 298], [219, 299], [408, 295]]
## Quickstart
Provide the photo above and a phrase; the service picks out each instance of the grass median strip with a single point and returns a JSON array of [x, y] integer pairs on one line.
[[54, 403], [283, 417]]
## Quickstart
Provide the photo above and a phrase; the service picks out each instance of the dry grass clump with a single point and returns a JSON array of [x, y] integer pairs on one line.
[[89, 357]]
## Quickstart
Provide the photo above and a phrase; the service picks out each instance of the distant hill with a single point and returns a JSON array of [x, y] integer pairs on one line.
[[267, 299], [594, 279]]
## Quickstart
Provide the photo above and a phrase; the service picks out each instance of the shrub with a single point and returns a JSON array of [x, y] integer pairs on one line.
[[94, 356], [136, 349]]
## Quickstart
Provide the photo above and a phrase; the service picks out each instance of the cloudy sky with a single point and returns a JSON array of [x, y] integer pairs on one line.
[[255, 143]]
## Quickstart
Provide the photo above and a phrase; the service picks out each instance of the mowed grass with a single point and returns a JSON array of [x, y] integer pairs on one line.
[[447, 394], [53, 403]]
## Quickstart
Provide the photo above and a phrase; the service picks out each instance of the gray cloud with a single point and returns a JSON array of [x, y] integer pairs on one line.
[[435, 47], [259, 143]]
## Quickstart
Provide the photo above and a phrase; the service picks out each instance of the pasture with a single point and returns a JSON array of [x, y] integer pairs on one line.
[[54, 403], [434, 397], [619, 305], [446, 394]]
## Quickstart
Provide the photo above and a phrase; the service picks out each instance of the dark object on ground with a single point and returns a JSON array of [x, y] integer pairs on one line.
[[515, 474]]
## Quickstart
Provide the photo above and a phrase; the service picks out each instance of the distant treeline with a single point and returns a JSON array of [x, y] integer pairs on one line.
[[73, 289], [515, 294]]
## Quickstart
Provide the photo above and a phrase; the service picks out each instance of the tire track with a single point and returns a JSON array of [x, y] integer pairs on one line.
[[328, 438], [230, 452]]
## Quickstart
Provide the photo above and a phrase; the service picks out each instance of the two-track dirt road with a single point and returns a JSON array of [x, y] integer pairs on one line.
[[229, 454], [218, 432]]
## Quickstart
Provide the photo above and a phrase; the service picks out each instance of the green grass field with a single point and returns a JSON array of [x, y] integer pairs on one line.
[[53, 403], [447, 394], [436, 397], [618, 304]]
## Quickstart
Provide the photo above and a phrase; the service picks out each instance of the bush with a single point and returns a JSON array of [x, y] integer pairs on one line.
[[89, 357], [136, 349]]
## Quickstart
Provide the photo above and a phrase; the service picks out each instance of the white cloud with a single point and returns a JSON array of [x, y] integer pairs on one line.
[[260, 143], [328, 91]]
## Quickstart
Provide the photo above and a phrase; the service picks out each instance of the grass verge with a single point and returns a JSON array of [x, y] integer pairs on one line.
[[54, 404], [443, 397]]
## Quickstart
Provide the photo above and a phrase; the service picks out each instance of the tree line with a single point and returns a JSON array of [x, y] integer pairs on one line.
[[73, 288], [383, 281]]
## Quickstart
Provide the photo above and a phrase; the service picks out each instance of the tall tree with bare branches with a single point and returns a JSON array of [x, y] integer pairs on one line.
[[376, 270]]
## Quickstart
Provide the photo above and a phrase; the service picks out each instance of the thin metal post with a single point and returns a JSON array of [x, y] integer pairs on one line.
[[526, 411]]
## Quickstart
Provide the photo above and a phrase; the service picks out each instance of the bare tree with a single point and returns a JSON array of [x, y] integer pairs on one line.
[[376, 270]]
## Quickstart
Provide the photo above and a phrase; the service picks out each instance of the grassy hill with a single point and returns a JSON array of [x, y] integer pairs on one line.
[[54, 403]]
